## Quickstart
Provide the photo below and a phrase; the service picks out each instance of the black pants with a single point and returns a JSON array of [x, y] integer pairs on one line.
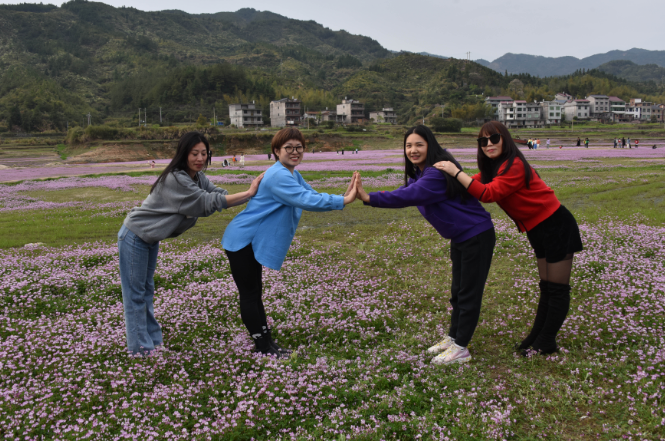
[[471, 265], [248, 275]]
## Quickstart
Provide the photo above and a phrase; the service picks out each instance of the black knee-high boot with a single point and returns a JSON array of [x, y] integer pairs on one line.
[[557, 310], [541, 315]]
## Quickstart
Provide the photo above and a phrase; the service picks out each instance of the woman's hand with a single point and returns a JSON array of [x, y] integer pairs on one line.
[[254, 187], [361, 193], [351, 192], [447, 166]]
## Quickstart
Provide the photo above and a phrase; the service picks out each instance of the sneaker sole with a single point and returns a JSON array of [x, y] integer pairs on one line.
[[437, 351], [457, 360]]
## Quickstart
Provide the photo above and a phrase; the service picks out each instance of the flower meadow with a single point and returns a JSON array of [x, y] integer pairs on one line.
[[360, 314], [362, 295]]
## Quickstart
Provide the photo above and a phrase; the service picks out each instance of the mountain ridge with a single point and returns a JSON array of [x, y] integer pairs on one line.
[[556, 66]]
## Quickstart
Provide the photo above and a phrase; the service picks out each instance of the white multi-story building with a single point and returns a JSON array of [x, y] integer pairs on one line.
[[245, 115], [351, 111], [580, 109], [285, 112], [494, 101], [552, 111], [519, 114], [600, 106]]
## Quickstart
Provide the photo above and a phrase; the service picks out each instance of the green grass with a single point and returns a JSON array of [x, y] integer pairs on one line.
[[565, 398]]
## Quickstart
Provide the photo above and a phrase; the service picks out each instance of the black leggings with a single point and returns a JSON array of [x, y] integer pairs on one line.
[[471, 265], [248, 275]]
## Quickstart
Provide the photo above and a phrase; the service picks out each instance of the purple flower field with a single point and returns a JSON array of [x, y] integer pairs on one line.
[[360, 331], [362, 295], [365, 160]]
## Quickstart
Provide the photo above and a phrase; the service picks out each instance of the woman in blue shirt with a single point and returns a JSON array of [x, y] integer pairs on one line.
[[262, 233]]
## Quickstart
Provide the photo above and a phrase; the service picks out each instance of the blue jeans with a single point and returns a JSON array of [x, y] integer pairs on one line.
[[138, 261]]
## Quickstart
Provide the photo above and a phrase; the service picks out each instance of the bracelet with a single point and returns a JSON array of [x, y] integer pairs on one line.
[[458, 172]]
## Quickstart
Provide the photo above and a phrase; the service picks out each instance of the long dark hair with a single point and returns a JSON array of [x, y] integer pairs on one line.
[[435, 153], [179, 161], [489, 168]]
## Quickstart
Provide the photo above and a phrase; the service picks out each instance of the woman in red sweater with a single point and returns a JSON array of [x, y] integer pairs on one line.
[[507, 178]]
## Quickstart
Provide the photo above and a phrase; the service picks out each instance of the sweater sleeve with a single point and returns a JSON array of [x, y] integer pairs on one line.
[[191, 200], [501, 186], [209, 186], [429, 189], [288, 191]]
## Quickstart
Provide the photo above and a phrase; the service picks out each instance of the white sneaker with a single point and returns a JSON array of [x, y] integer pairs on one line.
[[442, 345], [454, 354]]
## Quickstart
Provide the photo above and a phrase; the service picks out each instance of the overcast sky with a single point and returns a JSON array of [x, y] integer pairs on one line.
[[486, 28]]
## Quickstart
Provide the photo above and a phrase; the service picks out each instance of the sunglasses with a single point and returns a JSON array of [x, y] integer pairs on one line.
[[482, 141]]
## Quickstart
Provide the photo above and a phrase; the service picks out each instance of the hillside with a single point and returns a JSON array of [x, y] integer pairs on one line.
[[64, 61], [554, 66], [634, 72], [58, 65]]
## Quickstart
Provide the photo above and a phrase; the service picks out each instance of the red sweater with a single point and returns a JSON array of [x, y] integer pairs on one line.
[[526, 207]]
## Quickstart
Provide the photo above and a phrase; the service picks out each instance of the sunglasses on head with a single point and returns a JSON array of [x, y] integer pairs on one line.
[[482, 141]]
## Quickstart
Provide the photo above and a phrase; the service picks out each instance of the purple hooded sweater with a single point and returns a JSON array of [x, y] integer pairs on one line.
[[452, 218]]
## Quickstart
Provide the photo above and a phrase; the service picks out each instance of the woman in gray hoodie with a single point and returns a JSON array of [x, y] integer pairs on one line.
[[181, 195]]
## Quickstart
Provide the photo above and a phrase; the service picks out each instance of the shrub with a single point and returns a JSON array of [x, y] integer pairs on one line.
[[446, 124]]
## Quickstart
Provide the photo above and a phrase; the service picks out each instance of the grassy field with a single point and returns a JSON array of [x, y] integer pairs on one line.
[[361, 296]]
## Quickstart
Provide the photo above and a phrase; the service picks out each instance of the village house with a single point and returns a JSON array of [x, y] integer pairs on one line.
[[285, 112], [387, 114], [245, 115], [350, 111]]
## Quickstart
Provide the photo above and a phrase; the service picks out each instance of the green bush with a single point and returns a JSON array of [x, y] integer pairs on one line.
[[451, 125]]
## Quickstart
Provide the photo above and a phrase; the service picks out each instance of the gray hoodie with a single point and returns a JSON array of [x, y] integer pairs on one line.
[[174, 206]]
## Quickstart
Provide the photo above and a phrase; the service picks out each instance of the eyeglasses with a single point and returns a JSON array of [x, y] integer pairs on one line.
[[290, 148], [482, 141]]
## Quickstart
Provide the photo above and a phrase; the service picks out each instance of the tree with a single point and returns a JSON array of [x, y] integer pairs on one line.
[[15, 117], [201, 120], [446, 124]]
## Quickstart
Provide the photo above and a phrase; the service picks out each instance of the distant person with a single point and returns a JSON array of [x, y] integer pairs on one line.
[[356, 151], [615, 142], [586, 143], [225, 163], [181, 194], [628, 143], [342, 152], [637, 143], [548, 143], [560, 147], [269, 156], [623, 143], [529, 143], [654, 147], [242, 160], [261, 234], [507, 178], [210, 158], [579, 142], [234, 160], [152, 164]]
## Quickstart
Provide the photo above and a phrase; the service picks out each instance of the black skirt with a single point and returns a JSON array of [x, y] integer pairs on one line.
[[556, 237]]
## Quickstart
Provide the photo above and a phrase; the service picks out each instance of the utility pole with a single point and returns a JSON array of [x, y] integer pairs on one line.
[[139, 117], [160, 115], [145, 115], [214, 117], [89, 117]]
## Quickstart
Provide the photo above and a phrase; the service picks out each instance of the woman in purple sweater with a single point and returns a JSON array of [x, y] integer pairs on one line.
[[446, 205]]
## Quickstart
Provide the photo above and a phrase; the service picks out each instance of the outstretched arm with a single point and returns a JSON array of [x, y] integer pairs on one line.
[[240, 198], [452, 170]]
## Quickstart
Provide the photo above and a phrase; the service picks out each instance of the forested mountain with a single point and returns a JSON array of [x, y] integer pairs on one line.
[[552, 66], [634, 72], [58, 64]]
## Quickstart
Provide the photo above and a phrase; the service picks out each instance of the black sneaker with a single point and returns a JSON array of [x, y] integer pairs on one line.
[[272, 352], [285, 352]]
